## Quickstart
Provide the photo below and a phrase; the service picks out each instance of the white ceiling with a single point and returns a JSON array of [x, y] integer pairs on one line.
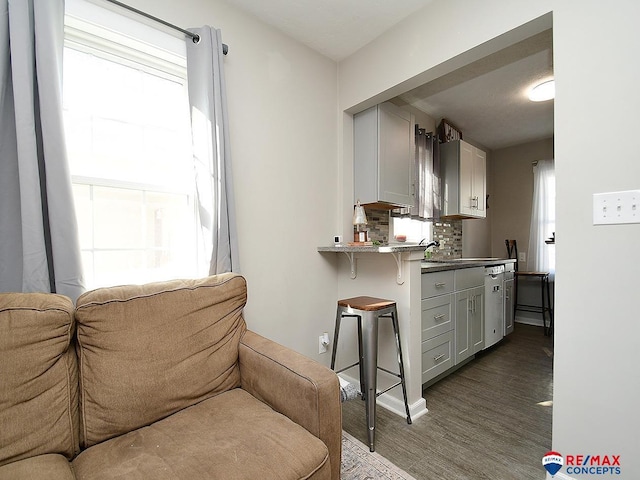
[[335, 28], [486, 100]]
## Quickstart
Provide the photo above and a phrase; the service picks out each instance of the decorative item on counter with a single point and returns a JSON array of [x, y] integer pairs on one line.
[[401, 238], [359, 221]]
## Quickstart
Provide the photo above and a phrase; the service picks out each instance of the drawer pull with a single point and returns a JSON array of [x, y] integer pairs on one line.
[[439, 317], [439, 357], [440, 284]]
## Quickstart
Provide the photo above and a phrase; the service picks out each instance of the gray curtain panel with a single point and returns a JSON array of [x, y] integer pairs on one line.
[[212, 157], [39, 248]]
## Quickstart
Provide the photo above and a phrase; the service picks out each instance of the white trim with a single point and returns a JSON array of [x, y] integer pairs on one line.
[[89, 38], [536, 322], [395, 405], [121, 23]]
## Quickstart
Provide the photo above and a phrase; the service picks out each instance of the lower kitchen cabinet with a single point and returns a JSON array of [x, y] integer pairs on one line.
[[452, 319], [437, 316], [437, 356], [469, 324], [477, 320]]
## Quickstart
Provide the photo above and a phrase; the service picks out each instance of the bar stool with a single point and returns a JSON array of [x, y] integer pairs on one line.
[[368, 310], [543, 277]]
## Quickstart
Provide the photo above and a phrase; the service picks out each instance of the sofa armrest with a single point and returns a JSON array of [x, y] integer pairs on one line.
[[296, 386]]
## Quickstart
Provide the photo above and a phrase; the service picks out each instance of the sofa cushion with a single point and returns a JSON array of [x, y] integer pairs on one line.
[[232, 436], [43, 467], [148, 351], [38, 377]]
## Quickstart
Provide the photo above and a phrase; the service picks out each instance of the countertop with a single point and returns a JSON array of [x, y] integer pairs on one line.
[[429, 266], [390, 248]]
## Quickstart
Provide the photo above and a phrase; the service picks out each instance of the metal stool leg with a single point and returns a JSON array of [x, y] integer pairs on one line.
[[363, 389], [335, 339], [550, 330], [515, 295], [396, 330], [542, 309], [370, 367]]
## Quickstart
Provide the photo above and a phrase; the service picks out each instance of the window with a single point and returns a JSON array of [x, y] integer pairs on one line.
[[543, 218], [415, 230], [128, 139]]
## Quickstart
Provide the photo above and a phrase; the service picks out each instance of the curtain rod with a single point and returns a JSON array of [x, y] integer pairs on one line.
[[194, 36]]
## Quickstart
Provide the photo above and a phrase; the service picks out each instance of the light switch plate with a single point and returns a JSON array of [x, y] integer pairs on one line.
[[616, 207]]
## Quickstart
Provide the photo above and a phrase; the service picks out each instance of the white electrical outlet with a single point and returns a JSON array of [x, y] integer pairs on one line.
[[616, 207], [323, 342], [522, 256]]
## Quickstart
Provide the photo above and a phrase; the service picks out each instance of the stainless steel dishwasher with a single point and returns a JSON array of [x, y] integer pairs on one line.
[[494, 304]]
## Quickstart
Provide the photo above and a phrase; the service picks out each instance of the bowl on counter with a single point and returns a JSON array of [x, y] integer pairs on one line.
[[400, 238]]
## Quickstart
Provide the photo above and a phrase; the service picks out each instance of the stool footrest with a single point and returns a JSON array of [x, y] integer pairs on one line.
[[395, 374], [532, 308], [347, 368], [387, 389]]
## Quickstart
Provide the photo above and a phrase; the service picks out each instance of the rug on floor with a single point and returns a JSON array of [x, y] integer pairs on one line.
[[358, 463]]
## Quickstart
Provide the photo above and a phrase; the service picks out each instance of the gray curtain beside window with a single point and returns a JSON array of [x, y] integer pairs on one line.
[[39, 247], [212, 157]]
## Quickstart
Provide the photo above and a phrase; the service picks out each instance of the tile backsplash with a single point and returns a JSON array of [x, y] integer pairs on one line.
[[378, 225], [449, 234]]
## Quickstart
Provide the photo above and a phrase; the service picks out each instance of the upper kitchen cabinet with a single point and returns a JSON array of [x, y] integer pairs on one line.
[[464, 175], [384, 150]]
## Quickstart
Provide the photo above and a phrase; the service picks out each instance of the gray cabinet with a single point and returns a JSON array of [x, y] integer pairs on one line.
[[477, 320], [437, 342], [384, 151], [452, 319], [464, 180], [469, 314]]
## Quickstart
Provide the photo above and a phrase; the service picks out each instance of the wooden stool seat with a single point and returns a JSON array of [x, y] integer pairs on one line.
[[367, 304], [532, 274]]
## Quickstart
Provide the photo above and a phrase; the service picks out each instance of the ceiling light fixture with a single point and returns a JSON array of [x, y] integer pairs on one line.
[[543, 91]]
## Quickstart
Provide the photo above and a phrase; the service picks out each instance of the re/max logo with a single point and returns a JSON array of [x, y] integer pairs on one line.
[[597, 460]]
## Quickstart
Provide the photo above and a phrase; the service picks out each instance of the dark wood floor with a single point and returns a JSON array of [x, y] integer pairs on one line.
[[485, 421]]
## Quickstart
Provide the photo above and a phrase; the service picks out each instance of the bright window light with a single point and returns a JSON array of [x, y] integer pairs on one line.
[[128, 136]]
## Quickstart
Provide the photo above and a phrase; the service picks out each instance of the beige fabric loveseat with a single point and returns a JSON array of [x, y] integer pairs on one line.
[[160, 381]]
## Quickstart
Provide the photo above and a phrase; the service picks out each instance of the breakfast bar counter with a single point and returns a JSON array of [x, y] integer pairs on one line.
[[393, 272], [386, 248]]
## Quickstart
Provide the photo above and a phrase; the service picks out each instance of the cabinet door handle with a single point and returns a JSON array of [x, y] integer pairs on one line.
[[440, 284], [439, 357], [470, 304], [438, 317]]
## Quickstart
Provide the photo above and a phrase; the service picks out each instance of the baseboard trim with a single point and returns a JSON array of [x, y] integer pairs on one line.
[[417, 409], [536, 322]]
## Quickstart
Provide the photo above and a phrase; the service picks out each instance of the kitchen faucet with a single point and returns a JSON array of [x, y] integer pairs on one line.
[[432, 243]]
